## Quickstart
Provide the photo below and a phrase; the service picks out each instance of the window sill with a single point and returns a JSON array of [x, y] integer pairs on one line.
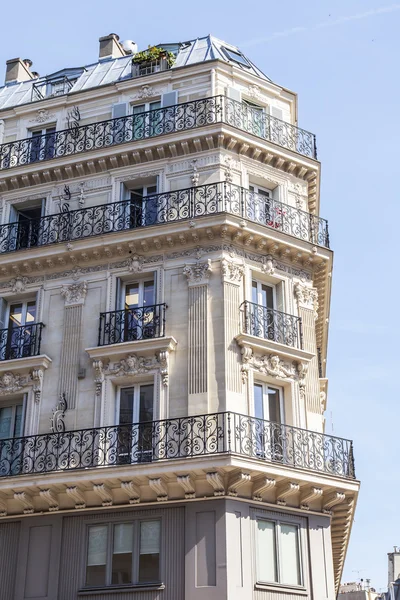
[[114, 589], [284, 589]]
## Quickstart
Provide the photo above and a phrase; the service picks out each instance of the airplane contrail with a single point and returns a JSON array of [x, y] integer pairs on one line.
[[331, 23]]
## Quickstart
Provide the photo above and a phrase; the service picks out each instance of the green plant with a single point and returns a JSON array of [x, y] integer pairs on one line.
[[154, 53]]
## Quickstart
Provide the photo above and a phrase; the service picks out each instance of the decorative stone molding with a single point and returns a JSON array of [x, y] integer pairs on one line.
[[236, 482], [228, 168], [99, 375], [332, 500], [42, 115], [104, 492], [216, 482], [285, 491], [10, 383], [26, 500], [77, 496], [132, 491], [132, 365], [135, 263], [195, 175], [307, 297], [75, 293], [158, 486], [231, 272], [308, 495], [198, 273], [18, 284], [51, 498], [37, 379], [187, 484], [57, 424], [261, 486], [147, 91], [269, 264]]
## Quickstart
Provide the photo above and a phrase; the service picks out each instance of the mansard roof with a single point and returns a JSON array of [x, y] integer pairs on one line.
[[112, 70]]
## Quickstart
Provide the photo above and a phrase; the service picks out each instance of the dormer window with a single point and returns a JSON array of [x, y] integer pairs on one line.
[[58, 87], [236, 57]]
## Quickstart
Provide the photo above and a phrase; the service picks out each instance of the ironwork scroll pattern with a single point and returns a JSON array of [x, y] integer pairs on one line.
[[20, 342], [271, 324], [178, 438], [141, 323]]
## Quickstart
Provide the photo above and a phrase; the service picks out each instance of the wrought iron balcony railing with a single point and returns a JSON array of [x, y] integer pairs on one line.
[[158, 209], [271, 324], [141, 323], [154, 123], [177, 438], [20, 342]]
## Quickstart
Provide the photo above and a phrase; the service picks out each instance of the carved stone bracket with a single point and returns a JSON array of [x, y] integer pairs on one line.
[[37, 379], [285, 491], [51, 498], [216, 482], [308, 495], [261, 486], [77, 496], [187, 484], [198, 273], [307, 297], [99, 376], [158, 486], [104, 493], [132, 491], [26, 500], [236, 482], [75, 293], [231, 272]]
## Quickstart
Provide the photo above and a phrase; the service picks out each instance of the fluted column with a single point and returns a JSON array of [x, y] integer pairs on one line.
[[197, 276], [74, 296]]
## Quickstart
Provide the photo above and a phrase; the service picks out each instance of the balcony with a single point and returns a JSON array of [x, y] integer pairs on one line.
[[20, 342], [154, 123], [271, 324], [169, 207], [179, 438], [134, 324]]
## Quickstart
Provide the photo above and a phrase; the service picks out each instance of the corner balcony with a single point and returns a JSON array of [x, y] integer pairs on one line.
[[20, 342], [155, 123], [161, 209], [179, 438]]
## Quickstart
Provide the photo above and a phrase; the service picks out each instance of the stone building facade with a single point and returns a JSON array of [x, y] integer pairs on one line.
[[165, 283]]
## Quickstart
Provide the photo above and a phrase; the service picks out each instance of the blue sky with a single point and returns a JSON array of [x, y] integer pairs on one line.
[[342, 58]]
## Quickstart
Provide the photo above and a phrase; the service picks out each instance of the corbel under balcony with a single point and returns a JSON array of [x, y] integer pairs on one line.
[[266, 346], [115, 352]]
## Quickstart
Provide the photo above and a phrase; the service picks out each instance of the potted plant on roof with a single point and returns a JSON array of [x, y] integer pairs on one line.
[[154, 56]]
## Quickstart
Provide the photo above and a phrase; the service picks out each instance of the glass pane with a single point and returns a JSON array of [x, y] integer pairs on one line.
[[267, 295], [30, 312], [154, 105], [146, 403], [126, 406], [266, 551], [16, 315], [290, 560], [122, 554], [132, 295], [148, 293], [149, 559], [254, 294], [138, 109], [18, 421], [258, 402], [274, 405], [5, 422], [97, 553]]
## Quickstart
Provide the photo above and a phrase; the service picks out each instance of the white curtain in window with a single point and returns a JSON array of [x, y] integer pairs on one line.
[[97, 548], [266, 551], [289, 559], [150, 537], [123, 536]]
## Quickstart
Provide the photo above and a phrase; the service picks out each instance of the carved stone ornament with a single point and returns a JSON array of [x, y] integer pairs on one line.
[[42, 116], [198, 273], [57, 420], [18, 284], [37, 380], [134, 365], [195, 174], [268, 265], [228, 169], [231, 271], [146, 91], [135, 263], [75, 293], [307, 297], [99, 376], [273, 366], [10, 383]]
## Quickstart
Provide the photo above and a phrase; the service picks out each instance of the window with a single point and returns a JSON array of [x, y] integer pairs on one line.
[[12, 416], [123, 553], [135, 417], [278, 553], [268, 403], [254, 119], [11, 421], [236, 57], [140, 317], [261, 320], [42, 144], [143, 206], [26, 227], [20, 336], [147, 120], [269, 436]]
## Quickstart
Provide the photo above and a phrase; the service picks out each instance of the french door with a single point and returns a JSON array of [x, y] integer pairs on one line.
[[21, 333], [262, 312], [11, 428], [146, 120], [42, 146], [140, 319], [269, 414], [135, 419], [260, 208], [143, 206]]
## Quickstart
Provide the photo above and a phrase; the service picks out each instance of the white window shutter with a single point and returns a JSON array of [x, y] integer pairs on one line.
[[233, 94], [276, 112], [169, 99], [119, 110]]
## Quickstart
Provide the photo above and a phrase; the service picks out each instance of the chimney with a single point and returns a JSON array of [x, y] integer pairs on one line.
[[18, 70], [394, 565], [110, 47]]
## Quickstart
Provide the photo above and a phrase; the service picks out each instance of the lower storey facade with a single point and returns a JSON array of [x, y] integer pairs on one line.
[[197, 550]]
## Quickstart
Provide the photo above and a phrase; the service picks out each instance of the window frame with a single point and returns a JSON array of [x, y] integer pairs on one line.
[[279, 520], [135, 567], [13, 403], [136, 385], [230, 54], [265, 387]]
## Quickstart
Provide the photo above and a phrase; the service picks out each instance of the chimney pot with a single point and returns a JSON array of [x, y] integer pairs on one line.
[[18, 70], [110, 47]]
